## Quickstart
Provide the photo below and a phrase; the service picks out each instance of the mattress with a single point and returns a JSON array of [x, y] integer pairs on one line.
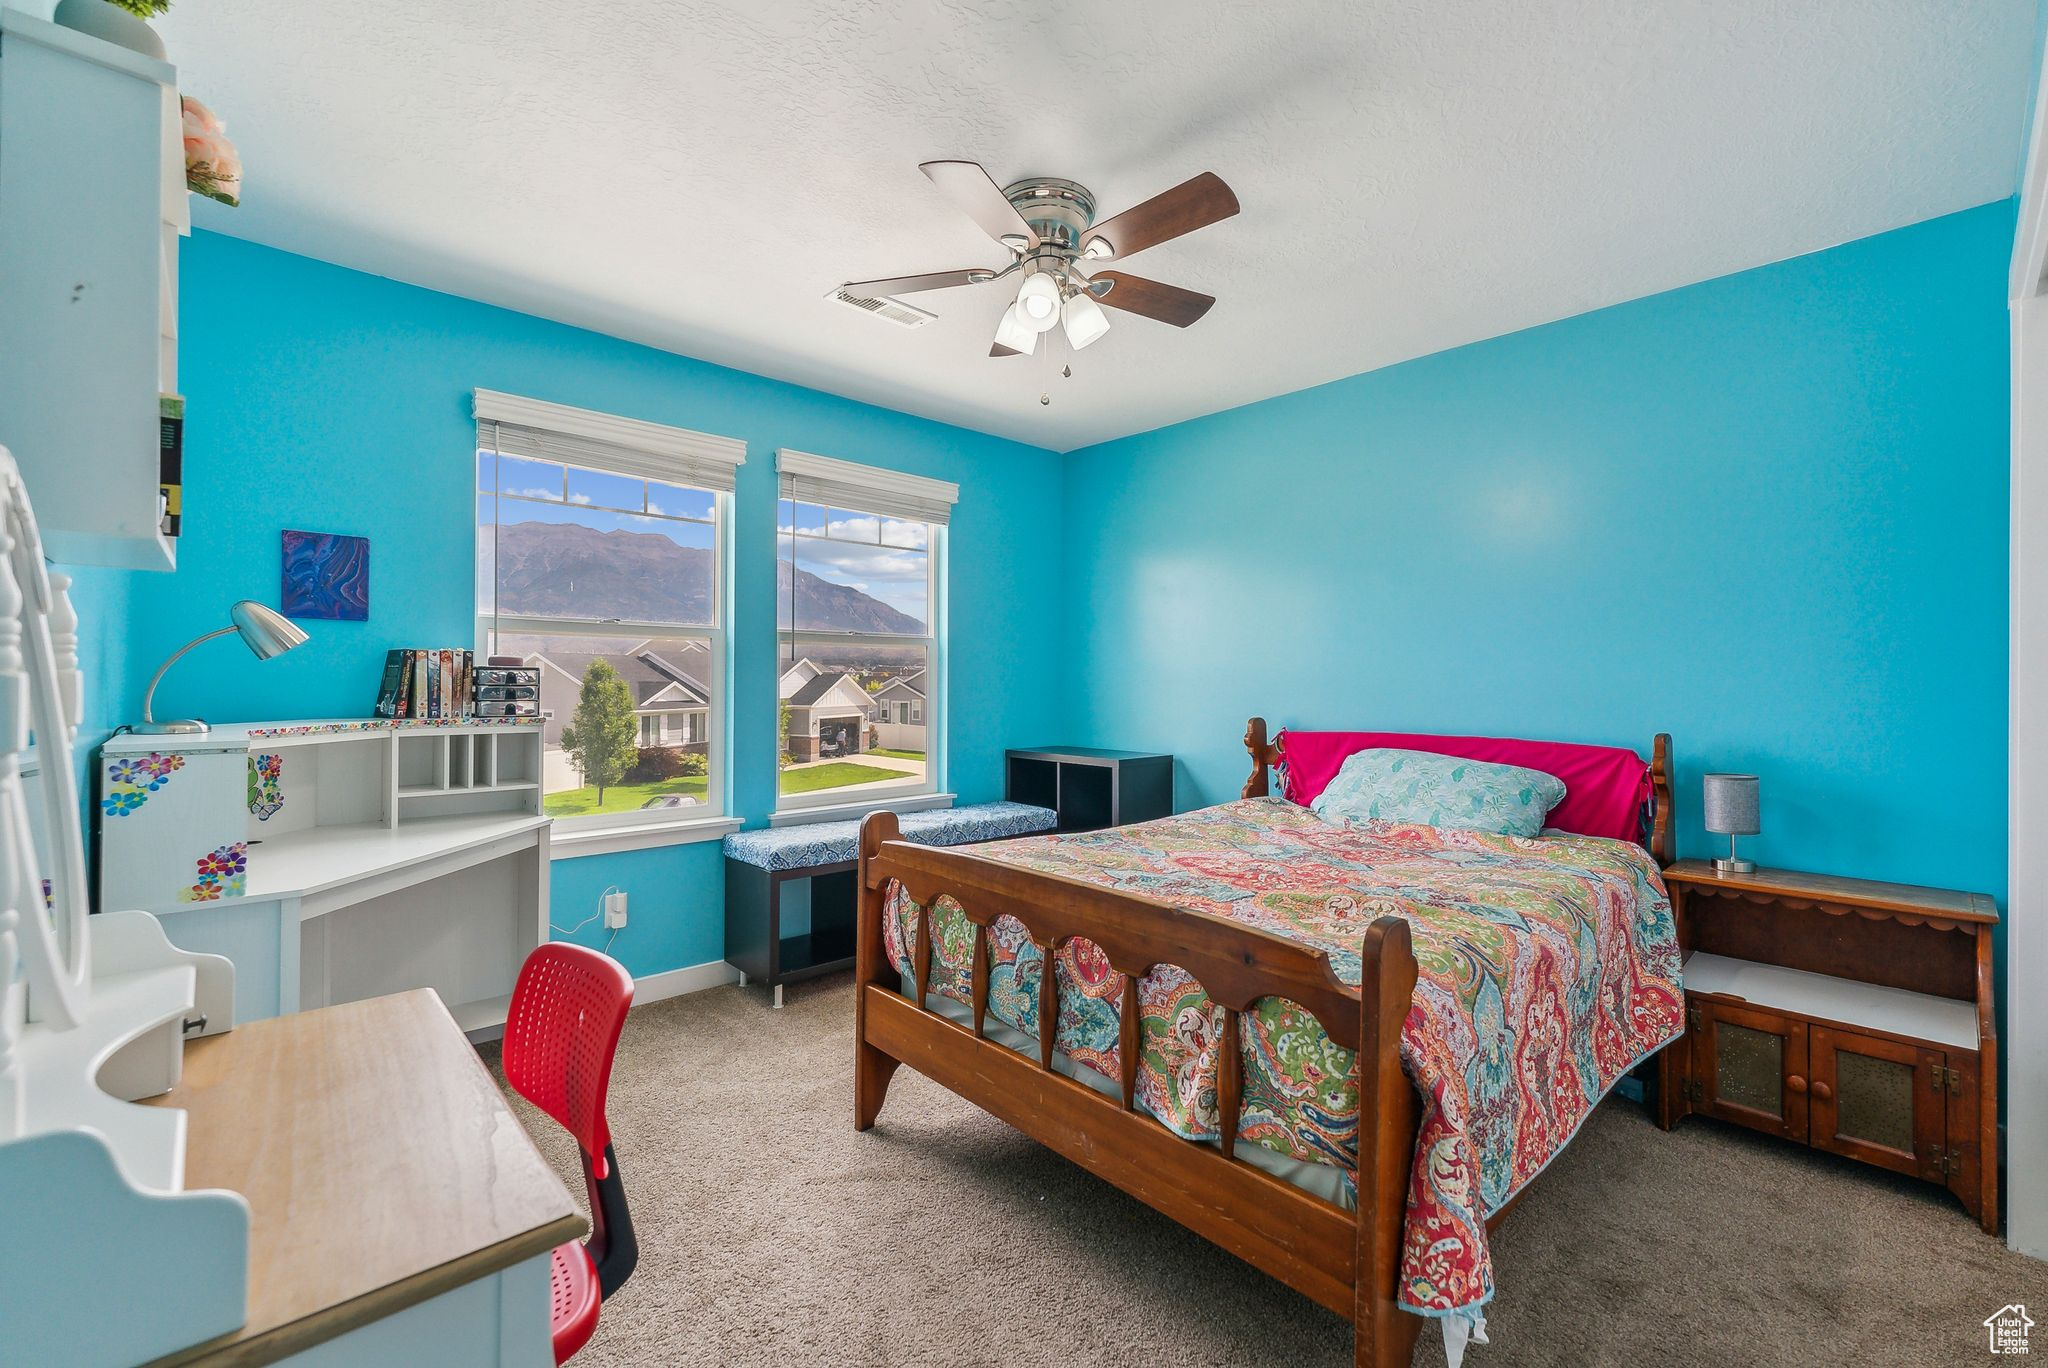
[[1548, 968]]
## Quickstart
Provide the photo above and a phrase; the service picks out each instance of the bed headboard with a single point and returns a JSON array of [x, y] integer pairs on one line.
[[1609, 790]]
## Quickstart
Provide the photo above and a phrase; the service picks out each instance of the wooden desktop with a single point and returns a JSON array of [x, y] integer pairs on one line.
[[397, 1207]]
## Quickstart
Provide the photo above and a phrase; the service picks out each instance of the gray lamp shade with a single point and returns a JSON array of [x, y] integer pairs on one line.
[[265, 631], [1731, 804]]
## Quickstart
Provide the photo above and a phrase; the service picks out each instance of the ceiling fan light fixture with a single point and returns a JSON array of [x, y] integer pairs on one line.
[[1086, 322], [1038, 302], [1014, 333]]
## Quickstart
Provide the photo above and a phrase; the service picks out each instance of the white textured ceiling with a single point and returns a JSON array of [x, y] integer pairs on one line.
[[1414, 175]]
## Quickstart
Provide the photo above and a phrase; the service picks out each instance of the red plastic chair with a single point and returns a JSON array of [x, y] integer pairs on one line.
[[560, 1035]]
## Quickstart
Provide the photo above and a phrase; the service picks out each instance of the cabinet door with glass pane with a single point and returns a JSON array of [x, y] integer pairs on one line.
[[1880, 1101], [1750, 1067]]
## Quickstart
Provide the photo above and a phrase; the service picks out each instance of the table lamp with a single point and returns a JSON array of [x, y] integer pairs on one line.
[[1731, 811], [266, 632]]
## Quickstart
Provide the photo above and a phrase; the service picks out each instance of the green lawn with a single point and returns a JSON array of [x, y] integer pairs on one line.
[[838, 775], [898, 755], [581, 802]]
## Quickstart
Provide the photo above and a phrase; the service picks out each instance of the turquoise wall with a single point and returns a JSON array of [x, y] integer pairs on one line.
[[1766, 513], [325, 399]]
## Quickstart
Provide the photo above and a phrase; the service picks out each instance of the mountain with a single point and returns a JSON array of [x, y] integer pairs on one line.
[[565, 570], [828, 607]]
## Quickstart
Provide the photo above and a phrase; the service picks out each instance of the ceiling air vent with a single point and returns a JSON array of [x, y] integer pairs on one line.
[[895, 310]]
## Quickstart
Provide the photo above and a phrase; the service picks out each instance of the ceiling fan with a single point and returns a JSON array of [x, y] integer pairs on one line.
[[1049, 227]]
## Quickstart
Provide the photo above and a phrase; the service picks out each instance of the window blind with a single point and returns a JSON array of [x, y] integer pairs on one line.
[[864, 489], [514, 426]]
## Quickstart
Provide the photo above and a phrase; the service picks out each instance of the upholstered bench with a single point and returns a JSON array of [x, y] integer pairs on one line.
[[790, 895]]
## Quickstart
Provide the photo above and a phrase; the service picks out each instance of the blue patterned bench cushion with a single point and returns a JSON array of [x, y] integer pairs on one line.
[[824, 843]]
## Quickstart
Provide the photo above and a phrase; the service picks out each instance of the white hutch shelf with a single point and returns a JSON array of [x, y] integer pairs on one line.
[[92, 203]]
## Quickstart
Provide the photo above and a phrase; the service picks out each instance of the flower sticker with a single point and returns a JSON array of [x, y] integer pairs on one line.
[[222, 874], [131, 781], [121, 802], [266, 786]]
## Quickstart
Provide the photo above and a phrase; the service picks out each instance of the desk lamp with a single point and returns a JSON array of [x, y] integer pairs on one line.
[[266, 632]]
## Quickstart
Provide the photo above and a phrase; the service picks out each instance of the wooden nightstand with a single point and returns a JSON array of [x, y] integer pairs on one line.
[[1852, 1016]]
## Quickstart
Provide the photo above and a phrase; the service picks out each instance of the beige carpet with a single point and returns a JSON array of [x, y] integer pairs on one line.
[[771, 1233]]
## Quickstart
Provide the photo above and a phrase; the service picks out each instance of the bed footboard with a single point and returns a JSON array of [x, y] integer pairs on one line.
[[1349, 1261]]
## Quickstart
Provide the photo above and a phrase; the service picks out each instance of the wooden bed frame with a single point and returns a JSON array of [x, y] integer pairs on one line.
[[1348, 1261]]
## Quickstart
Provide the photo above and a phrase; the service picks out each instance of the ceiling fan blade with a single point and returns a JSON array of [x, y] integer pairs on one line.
[[975, 194], [1190, 205], [1167, 303], [936, 280]]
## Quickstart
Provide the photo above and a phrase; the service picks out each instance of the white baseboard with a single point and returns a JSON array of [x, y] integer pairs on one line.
[[691, 978]]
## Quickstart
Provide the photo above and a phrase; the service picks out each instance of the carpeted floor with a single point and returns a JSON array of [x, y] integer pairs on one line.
[[771, 1233]]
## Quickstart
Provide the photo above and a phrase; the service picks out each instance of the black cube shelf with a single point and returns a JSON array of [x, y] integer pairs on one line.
[[1091, 788]]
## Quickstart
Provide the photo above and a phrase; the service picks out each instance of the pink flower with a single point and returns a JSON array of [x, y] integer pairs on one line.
[[212, 166], [199, 120]]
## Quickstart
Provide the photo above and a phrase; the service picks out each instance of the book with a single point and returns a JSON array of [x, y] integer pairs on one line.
[[387, 692], [171, 462], [422, 682]]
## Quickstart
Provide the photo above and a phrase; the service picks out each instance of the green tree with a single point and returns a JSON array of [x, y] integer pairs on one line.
[[600, 736]]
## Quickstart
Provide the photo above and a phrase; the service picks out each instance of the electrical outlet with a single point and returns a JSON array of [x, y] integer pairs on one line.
[[614, 910]]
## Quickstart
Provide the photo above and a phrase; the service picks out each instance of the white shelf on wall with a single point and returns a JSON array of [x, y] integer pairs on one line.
[[92, 203]]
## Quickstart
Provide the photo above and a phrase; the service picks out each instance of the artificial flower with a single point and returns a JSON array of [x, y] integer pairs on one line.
[[212, 166]]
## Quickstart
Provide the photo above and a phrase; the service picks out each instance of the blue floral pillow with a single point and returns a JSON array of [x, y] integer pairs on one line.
[[1439, 791]]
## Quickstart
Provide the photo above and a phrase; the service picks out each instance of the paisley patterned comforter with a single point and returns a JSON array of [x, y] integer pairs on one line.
[[1549, 968]]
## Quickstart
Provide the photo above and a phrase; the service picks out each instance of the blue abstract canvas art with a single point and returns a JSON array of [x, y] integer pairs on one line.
[[326, 575]]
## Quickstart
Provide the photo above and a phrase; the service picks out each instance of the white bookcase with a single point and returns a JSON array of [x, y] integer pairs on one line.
[[336, 860], [92, 203]]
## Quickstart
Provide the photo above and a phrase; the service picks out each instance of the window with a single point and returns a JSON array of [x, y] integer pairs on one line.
[[600, 561], [859, 580]]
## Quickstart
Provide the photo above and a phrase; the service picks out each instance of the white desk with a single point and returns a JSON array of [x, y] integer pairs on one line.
[[341, 913], [374, 857]]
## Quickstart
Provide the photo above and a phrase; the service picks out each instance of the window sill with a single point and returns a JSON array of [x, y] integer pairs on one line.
[[571, 845], [841, 812]]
